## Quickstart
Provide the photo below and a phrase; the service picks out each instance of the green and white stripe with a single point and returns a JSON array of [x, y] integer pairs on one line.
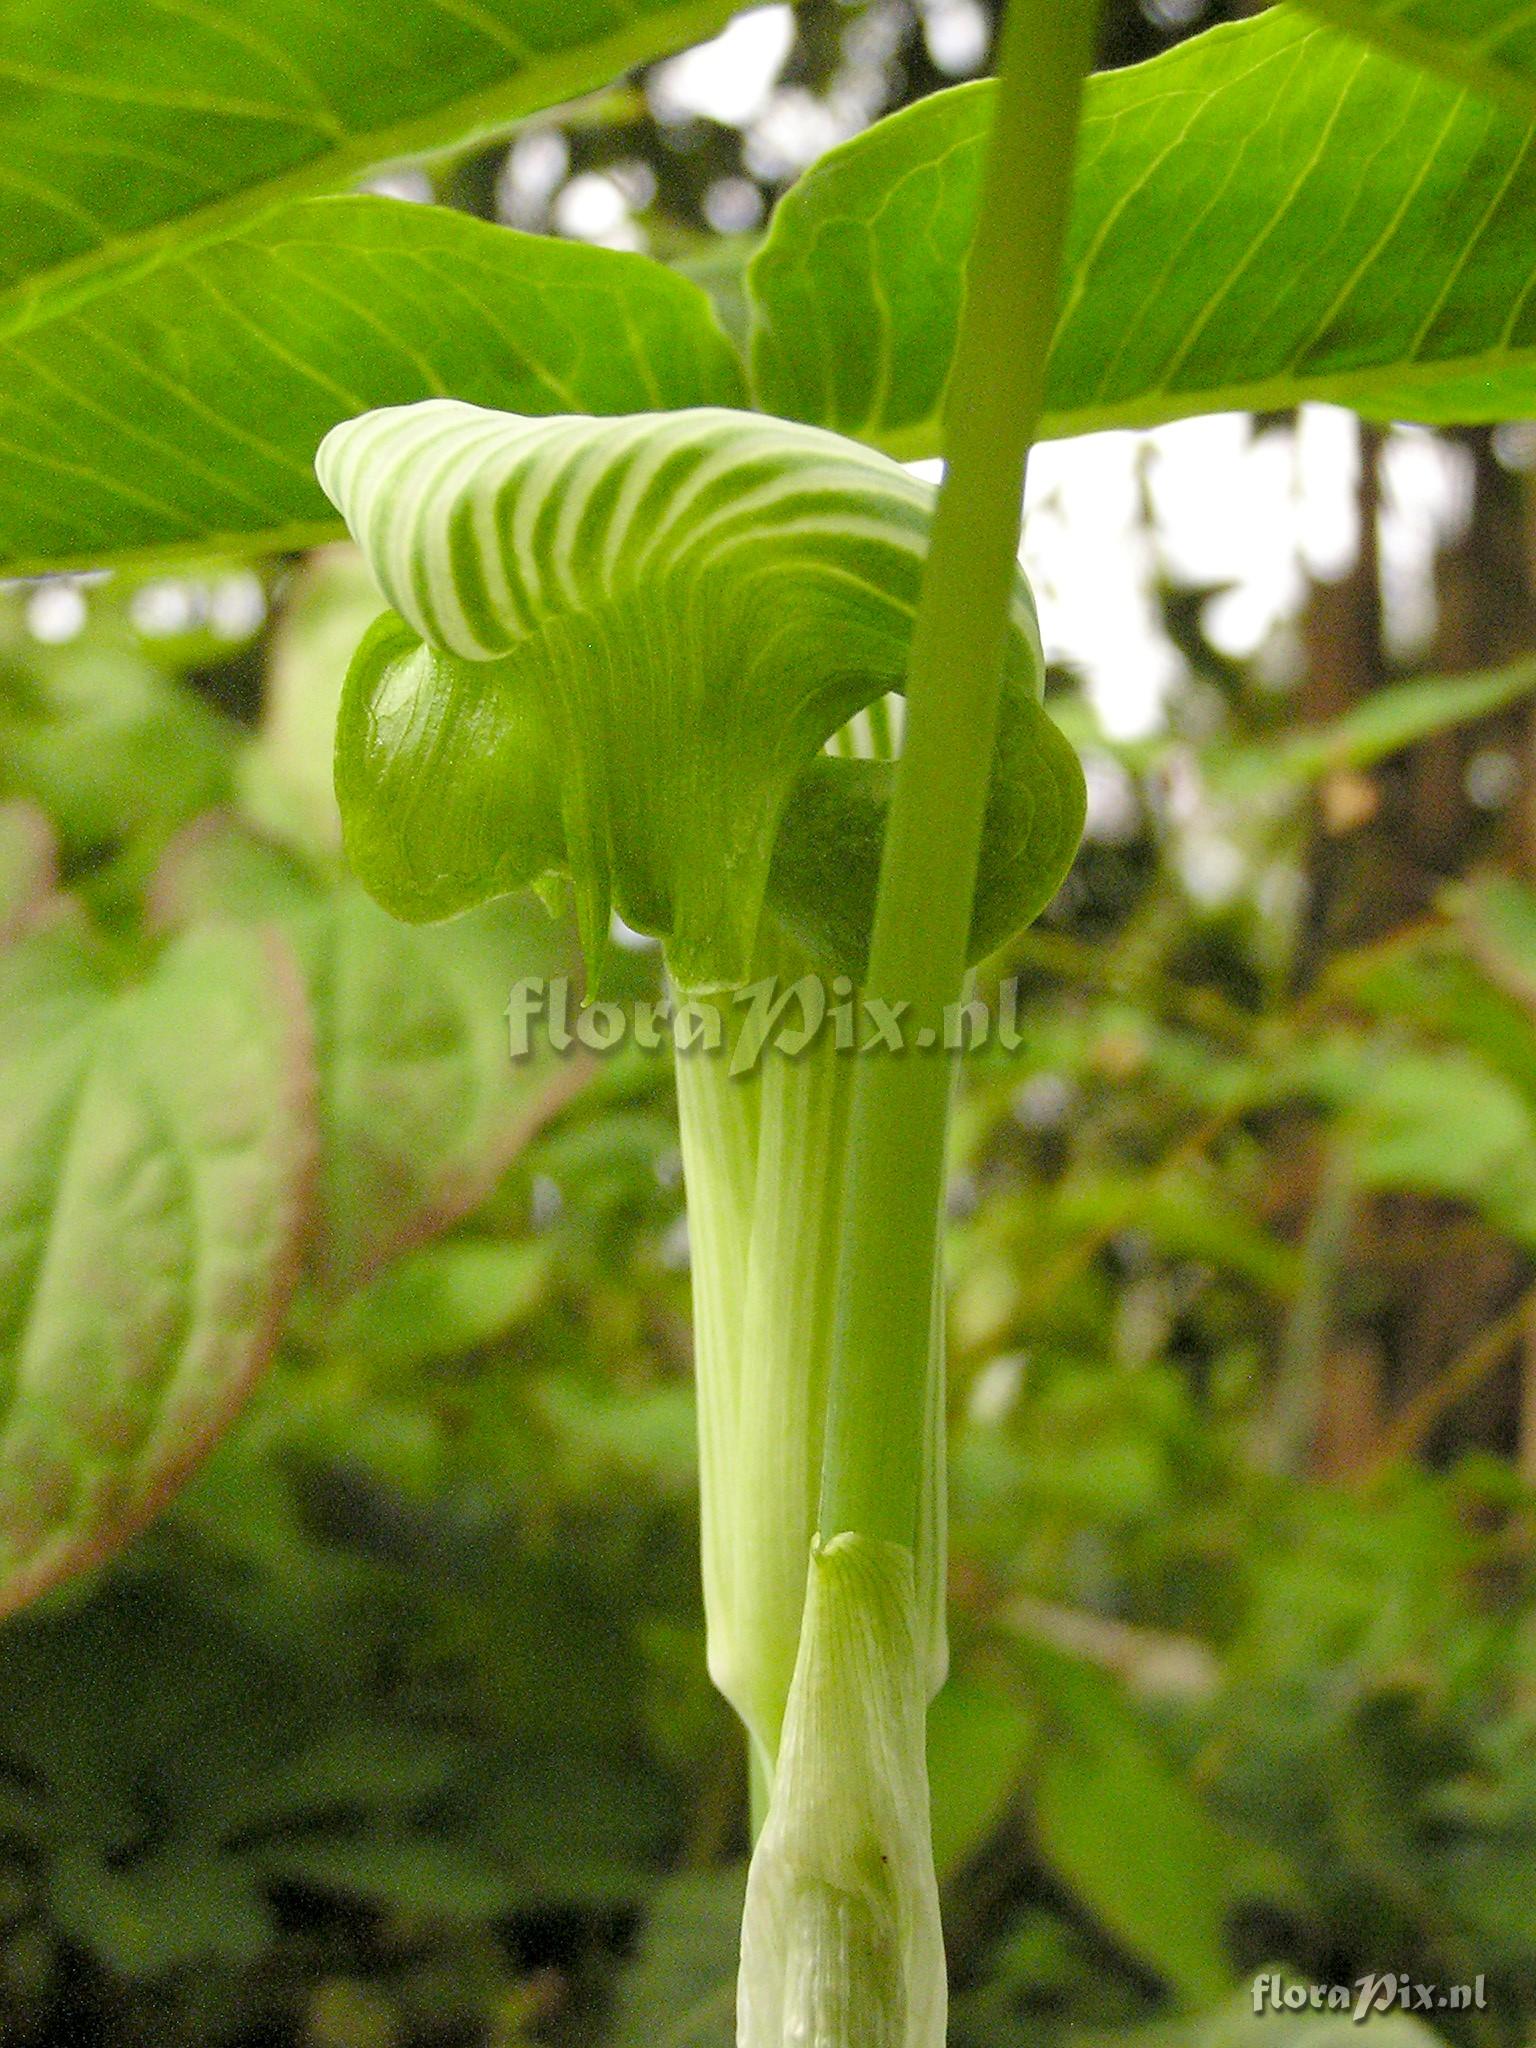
[[622, 645], [482, 527]]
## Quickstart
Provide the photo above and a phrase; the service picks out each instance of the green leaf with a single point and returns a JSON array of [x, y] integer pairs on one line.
[[1127, 1835], [1500, 914], [1446, 995], [132, 128], [1489, 45], [181, 409], [1465, 986], [409, 1872], [216, 868], [114, 750], [285, 777], [367, 1765], [1236, 2025], [442, 1300], [980, 1740], [1188, 1215], [624, 647], [1268, 214], [155, 1145], [635, 1438], [421, 1107], [1389, 719], [1401, 1103], [159, 1912], [680, 1992]]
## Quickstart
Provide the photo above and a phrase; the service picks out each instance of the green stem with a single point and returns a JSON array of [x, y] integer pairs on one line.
[[718, 1119], [763, 1153], [873, 1465]]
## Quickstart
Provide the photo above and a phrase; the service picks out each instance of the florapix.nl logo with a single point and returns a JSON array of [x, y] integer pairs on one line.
[[1379, 1991], [738, 1025]]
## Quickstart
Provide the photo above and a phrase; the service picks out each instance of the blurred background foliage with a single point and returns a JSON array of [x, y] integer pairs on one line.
[[395, 1732]]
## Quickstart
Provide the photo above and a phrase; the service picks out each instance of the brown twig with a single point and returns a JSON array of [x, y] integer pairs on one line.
[[1487, 1351]]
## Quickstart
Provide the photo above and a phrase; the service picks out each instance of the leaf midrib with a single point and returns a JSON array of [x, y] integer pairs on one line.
[[295, 538], [1360, 389], [546, 82]]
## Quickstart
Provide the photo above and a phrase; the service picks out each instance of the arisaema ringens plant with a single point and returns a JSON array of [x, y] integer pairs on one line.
[[631, 652]]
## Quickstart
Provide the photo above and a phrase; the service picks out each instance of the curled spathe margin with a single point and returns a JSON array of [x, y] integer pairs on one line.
[[618, 649]]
